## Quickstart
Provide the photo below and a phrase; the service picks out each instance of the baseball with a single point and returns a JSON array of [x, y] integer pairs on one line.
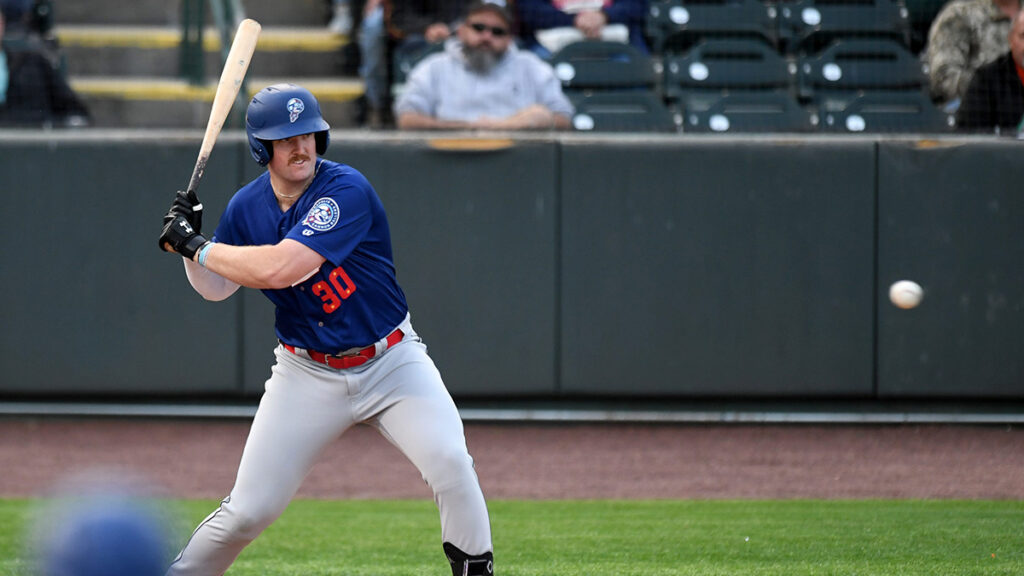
[[906, 294]]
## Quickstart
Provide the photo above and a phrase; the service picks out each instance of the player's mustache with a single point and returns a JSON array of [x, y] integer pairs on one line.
[[298, 158]]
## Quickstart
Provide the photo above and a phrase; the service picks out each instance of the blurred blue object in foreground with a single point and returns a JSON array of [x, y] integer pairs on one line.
[[100, 532]]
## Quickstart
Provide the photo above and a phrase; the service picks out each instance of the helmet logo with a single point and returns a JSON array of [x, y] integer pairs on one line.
[[295, 107]]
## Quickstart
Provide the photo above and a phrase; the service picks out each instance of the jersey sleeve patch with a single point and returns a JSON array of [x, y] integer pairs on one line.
[[323, 216]]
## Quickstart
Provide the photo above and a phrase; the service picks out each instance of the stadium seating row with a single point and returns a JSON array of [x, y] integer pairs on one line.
[[790, 26], [729, 85], [742, 84]]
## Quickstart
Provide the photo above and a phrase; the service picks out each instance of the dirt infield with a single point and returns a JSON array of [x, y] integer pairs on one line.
[[197, 459]]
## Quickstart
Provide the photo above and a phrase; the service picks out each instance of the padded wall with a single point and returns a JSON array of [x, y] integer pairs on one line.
[[952, 219], [719, 267], [90, 304], [563, 267], [473, 232]]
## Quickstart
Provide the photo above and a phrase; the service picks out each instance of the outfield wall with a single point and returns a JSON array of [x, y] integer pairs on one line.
[[565, 267]]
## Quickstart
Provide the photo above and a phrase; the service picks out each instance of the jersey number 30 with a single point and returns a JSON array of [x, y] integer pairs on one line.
[[339, 288]]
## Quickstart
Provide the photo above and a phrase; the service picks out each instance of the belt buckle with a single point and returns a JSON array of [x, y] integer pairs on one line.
[[345, 362], [363, 355]]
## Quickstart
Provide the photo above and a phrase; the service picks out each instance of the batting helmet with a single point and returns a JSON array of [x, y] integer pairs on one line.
[[282, 111], [103, 537]]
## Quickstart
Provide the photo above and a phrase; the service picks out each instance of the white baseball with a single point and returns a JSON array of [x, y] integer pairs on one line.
[[906, 294]]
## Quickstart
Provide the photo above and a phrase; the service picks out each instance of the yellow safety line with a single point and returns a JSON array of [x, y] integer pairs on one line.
[[470, 144], [178, 90], [162, 37]]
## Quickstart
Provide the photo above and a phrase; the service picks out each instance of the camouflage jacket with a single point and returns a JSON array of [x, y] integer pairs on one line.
[[964, 35]]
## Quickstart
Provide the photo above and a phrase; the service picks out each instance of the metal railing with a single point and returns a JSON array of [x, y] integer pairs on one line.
[[227, 14]]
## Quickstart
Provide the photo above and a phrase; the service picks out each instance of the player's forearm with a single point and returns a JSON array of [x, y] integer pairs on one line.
[[261, 267], [207, 283]]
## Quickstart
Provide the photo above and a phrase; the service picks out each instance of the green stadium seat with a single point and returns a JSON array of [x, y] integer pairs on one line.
[[621, 111], [806, 26], [673, 26], [721, 65], [748, 112]]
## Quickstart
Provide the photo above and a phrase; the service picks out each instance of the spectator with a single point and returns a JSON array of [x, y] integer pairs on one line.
[[417, 22], [369, 52], [548, 25], [30, 17], [373, 64], [483, 81], [965, 35], [16, 13], [995, 98], [33, 90], [341, 17], [412, 28]]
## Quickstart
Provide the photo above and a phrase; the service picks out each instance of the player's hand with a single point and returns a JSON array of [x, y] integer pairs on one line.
[[181, 237], [186, 204]]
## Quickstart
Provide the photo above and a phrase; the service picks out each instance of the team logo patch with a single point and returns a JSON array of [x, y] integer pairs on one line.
[[295, 107], [324, 215]]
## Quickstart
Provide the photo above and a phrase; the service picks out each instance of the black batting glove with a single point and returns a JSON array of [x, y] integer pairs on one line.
[[186, 204], [182, 237]]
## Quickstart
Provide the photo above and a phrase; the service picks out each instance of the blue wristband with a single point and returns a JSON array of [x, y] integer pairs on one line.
[[203, 253]]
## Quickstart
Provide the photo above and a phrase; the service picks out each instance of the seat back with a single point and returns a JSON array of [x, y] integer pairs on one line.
[[621, 111], [726, 64], [405, 59], [806, 26], [860, 64], [750, 112], [882, 112], [596, 64], [676, 25]]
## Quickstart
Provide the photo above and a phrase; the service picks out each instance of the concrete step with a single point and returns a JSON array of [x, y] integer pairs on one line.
[[160, 102], [161, 12], [150, 50]]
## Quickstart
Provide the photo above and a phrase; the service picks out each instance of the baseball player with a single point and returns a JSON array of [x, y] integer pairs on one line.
[[313, 236]]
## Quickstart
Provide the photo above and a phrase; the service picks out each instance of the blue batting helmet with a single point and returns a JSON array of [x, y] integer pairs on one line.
[[104, 537], [282, 111]]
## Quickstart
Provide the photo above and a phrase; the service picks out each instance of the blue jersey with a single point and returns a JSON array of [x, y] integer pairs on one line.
[[353, 299]]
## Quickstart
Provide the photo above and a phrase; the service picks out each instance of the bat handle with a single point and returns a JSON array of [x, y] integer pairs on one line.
[[197, 173]]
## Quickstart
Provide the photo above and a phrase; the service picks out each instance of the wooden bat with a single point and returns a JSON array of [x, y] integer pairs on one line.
[[242, 48]]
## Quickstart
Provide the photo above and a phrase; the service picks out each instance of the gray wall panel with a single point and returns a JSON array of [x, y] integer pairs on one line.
[[474, 240], [718, 268], [90, 304], [552, 267], [951, 218], [473, 236]]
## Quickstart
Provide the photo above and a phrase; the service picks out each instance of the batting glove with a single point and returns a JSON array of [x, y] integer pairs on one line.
[[186, 204], [182, 237]]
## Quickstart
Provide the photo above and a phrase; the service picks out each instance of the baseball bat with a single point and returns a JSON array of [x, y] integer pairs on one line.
[[242, 48]]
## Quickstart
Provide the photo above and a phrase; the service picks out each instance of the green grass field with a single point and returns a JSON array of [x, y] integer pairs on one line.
[[620, 538]]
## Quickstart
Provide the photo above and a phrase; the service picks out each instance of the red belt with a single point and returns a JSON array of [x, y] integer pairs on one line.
[[349, 360]]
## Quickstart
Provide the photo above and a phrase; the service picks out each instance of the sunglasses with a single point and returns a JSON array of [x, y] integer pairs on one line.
[[496, 31]]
